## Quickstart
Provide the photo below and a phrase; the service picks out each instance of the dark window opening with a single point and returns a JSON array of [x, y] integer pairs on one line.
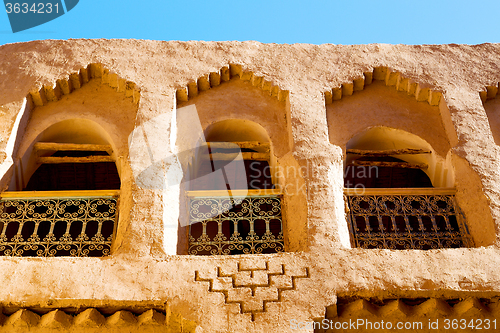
[[255, 175], [75, 176], [371, 176]]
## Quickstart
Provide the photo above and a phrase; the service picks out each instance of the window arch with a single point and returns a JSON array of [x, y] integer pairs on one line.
[[73, 154], [233, 171], [236, 103], [62, 200], [390, 183], [241, 150]]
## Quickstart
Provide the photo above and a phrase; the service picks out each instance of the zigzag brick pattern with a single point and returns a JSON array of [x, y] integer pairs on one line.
[[253, 288]]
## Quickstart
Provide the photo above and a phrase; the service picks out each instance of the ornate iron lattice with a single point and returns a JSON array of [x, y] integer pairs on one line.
[[236, 225], [406, 222], [48, 227]]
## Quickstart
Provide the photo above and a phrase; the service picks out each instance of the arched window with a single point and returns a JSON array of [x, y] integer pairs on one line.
[[63, 196], [389, 181], [234, 200]]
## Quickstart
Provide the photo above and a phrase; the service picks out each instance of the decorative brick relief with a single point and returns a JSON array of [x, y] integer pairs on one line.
[[94, 320], [66, 86], [225, 74], [433, 314], [420, 307], [253, 288], [490, 92], [390, 78]]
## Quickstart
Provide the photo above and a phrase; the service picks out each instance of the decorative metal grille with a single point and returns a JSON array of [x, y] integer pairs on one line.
[[406, 222], [236, 225], [48, 227]]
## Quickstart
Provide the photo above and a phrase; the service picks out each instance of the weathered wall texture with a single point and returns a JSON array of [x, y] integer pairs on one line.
[[311, 100]]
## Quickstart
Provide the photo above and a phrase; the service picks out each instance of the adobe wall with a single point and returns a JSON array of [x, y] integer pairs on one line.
[[456, 116]]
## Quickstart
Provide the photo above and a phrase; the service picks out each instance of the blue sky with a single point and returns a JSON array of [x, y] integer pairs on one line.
[[316, 22]]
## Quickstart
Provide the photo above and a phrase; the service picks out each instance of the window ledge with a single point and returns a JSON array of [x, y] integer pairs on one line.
[[401, 191], [233, 193], [65, 194]]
